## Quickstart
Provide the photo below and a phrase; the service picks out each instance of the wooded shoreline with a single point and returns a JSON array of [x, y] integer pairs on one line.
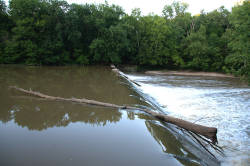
[[38, 32]]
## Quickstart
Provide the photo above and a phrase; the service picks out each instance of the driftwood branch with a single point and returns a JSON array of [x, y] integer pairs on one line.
[[208, 132]]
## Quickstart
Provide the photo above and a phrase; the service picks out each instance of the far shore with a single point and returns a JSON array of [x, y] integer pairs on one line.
[[190, 73]]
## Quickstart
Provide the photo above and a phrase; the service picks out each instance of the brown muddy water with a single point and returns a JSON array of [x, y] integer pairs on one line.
[[37, 132]]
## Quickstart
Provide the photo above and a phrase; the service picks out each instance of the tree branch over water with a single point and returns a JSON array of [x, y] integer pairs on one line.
[[208, 132]]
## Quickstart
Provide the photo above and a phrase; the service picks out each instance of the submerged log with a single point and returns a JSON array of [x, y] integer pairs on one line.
[[208, 132]]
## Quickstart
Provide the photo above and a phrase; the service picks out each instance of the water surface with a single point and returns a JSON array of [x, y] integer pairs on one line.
[[35, 131], [223, 103]]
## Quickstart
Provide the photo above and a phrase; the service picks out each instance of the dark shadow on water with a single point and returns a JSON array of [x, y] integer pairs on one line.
[[171, 145]]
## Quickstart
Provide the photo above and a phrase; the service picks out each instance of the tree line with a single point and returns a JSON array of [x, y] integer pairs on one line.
[[53, 32]]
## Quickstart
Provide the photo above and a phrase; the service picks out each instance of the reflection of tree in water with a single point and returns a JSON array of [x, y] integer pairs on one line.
[[39, 116], [97, 83], [170, 144]]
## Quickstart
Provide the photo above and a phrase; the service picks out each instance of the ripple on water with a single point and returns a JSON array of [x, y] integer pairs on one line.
[[213, 102]]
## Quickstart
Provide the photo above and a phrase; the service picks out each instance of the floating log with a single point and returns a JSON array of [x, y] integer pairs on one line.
[[208, 132]]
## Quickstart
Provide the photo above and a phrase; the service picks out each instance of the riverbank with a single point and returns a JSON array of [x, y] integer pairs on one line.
[[190, 73]]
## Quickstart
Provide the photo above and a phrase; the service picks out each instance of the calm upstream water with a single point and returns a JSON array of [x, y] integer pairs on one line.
[[219, 102], [37, 132]]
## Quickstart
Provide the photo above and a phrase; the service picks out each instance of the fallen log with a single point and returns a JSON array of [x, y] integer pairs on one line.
[[208, 132]]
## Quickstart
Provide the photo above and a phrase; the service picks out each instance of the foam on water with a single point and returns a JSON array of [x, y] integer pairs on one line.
[[219, 103]]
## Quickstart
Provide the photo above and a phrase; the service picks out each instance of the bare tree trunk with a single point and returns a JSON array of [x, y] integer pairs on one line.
[[208, 132]]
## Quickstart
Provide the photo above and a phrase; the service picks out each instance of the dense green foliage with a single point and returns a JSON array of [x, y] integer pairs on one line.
[[53, 32]]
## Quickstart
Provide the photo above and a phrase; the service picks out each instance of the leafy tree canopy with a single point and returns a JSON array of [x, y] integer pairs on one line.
[[53, 32]]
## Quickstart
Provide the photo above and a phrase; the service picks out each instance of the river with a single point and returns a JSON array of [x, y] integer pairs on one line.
[[35, 131]]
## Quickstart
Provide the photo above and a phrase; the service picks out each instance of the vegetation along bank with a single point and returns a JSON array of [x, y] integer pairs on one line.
[[53, 32]]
